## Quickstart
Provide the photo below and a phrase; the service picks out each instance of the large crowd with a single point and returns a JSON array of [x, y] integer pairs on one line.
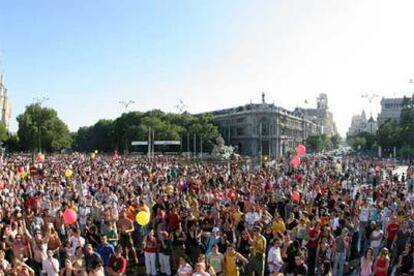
[[325, 217]]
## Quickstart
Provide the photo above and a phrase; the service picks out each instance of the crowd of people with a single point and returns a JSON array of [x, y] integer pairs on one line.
[[325, 217]]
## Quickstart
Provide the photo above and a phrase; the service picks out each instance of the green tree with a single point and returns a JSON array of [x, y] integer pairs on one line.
[[314, 143], [41, 128], [358, 143], [336, 140], [389, 135]]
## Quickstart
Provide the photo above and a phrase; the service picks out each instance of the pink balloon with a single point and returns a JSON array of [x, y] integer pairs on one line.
[[295, 161], [70, 216], [295, 196], [300, 149]]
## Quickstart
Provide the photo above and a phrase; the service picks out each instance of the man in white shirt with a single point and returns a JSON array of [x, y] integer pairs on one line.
[[50, 265]]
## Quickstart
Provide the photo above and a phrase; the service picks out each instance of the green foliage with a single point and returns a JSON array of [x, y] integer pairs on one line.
[[134, 126], [363, 141], [42, 122], [13, 143], [318, 143], [336, 141]]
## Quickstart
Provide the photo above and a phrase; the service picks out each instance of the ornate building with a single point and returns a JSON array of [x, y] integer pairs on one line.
[[320, 115], [390, 110], [263, 129], [4, 103], [360, 124]]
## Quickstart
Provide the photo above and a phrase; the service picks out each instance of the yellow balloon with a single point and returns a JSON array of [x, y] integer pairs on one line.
[[143, 218], [93, 155], [68, 173]]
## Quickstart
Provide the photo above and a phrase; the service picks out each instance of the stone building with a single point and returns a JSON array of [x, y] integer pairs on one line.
[[390, 109], [320, 115], [4, 103], [263, 129], [360, 124]]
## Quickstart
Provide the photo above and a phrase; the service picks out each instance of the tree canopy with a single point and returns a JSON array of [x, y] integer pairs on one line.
[[42, 125]]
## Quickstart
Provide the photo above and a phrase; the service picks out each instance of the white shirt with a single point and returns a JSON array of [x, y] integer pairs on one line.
[[252, 218], [364, 214], [376, 234], [48, 265], [185, 270], [274, 259], [75, 243]]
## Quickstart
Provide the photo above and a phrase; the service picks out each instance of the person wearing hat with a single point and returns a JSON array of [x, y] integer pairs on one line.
[[258, 252], [213, 239]]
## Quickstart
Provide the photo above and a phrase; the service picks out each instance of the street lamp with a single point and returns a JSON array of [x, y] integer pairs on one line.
[[39, 101], [126, 104], [370, 98], [182, 108]]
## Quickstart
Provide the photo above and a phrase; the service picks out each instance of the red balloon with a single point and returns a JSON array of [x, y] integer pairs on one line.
[[377, 168], [295, 161], [69, 216], [300, 149], [295, 196]]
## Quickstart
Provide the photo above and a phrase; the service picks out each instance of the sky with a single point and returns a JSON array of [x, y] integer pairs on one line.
[[87, 56]]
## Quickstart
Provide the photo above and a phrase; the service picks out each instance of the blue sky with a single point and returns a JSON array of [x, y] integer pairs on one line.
[[86, 56]]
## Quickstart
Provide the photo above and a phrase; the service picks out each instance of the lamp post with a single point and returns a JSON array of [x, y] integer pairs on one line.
[[182, 108], [39, 101], [125, 105], [370, 98]]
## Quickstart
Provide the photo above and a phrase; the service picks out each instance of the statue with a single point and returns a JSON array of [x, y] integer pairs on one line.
[[222, 151]]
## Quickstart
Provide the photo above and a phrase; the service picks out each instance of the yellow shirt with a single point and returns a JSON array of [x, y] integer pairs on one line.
[[278, 226], [259, 245], [230, 265]]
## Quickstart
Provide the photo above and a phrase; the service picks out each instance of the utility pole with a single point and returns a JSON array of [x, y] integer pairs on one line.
[[126, 104], [370, 98], [182, 108], [260, 143], [39, 101]]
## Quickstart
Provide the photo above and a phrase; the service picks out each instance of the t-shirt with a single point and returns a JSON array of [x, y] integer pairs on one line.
[[47, 266], [364, 214], [278, 226], [216, 261], [118, 264], [392, 229], [105, 251], [259, 246], [376, 234]]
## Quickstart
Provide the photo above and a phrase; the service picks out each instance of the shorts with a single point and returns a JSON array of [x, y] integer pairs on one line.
[[125, 240]]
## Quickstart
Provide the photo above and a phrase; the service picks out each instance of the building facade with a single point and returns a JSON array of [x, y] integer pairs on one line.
[[320, 115], [4, 103], [263, 129], [390, 110], [360, 124]]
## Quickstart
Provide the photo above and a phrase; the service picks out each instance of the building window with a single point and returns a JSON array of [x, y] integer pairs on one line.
[[240, 120], [240, 131]]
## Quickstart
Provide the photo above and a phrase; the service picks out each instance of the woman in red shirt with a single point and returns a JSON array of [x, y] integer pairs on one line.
[[382, 263]]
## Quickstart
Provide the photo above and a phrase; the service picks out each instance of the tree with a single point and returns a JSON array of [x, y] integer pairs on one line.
[[314, 143], [41, 128], [389, 135], [336, 140]]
